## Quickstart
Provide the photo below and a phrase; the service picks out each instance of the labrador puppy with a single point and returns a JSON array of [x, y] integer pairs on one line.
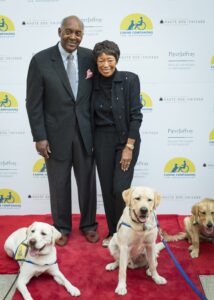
[[198, 227], [134, 243], [34, 249]]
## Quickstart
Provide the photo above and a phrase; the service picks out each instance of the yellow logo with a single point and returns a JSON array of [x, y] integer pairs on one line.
[[136, 24], [211, 136], [7, 101], [146, 101], [9, 196], [21, 252], [6, 26], [212, 62], [179, 166], [39, 168]]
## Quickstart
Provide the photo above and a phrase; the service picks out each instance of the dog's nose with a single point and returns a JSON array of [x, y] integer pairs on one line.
[[32, 242], [209, 224], [144, 210]]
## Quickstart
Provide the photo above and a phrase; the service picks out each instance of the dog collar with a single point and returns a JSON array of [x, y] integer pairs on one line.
[[33, 263], [145, 226], [125, 224]]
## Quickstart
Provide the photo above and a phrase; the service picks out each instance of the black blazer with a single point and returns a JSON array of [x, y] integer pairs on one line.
[[51, 107], [126, 105]]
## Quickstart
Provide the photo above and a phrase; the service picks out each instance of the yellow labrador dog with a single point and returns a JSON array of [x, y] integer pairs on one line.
[[34, 249], [134, 243], [198, 227]]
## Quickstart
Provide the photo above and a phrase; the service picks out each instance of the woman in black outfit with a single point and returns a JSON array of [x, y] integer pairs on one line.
[[116, 112]]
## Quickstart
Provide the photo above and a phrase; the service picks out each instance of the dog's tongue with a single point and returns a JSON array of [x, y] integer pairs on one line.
[[209, 230], [34, 252], [142, 219]]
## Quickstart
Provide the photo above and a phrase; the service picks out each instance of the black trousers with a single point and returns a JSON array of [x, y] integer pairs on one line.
[[59, 177], [113, 180]]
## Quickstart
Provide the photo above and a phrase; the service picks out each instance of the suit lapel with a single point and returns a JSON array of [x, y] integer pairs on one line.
[[82, 73], [60, 69]]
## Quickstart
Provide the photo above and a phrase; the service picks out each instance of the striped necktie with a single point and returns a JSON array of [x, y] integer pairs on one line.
[[72, 74]]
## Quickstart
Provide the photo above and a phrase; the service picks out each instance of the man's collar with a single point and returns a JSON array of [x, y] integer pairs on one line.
[[65, 53]]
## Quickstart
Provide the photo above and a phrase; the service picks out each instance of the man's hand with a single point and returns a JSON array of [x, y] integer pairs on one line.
[[43, 148]]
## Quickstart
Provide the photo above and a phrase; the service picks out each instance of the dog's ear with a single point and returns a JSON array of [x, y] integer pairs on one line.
[[56, 234], [157, 199], [127, 196], [195, 211], [29, 228]]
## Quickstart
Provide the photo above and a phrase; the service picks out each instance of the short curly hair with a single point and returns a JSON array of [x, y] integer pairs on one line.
[[107, 47]]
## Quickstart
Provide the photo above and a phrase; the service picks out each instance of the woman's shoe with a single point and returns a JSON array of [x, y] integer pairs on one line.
[[106, 241]]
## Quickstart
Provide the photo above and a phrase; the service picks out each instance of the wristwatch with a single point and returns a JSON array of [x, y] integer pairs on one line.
[[130, 146]]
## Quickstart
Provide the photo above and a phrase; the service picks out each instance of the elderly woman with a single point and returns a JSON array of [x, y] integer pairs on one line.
[[117, 117]]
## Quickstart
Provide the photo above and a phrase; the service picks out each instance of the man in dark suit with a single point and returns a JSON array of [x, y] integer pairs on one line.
[[59, 115]]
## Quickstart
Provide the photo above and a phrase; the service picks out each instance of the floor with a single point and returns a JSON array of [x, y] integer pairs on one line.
[[7, 280]]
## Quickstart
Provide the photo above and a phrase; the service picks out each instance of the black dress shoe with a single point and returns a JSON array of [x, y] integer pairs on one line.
[[63, 240], [91, 236]]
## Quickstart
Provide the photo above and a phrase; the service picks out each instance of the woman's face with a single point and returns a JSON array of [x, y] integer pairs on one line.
[[106, 64]]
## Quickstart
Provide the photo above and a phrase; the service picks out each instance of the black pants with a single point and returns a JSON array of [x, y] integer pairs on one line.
[[113, 180], [59, 177]]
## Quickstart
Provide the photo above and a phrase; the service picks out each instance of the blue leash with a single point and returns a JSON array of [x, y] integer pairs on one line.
[[179, 267]]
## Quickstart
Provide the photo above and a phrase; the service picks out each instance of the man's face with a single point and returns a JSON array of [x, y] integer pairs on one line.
[[71, 34]]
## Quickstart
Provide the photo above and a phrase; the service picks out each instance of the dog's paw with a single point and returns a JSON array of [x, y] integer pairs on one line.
[[74, 291], [121, 289], [148, 272], [194, 253], [132, 266], [190, 248], [159, 279], [112, 266]]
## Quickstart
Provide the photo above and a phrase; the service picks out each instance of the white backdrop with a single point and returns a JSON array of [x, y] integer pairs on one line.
[[173, 54]]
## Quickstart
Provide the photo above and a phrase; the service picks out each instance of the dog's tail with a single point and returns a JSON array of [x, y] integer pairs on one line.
[[175, 237], [158, 247]]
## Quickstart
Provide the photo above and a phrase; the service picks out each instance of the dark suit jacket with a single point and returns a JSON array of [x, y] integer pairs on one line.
[[51, 107], [126, 105]]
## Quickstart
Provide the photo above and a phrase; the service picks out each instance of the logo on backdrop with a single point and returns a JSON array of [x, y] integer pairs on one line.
[[211, 137], [212, 62], [8, 168], [93, 26], [179, 167], [136, 25], [8, 102], [7, 28], [9, 198], [181, 60], [183, 22], [180, 136], [146, 101], [39, 169], [141, 170]]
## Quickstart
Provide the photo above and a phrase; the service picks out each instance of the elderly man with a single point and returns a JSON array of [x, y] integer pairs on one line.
[[59, 88]]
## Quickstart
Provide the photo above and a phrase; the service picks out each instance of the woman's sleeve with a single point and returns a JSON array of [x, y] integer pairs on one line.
[[135, 114]]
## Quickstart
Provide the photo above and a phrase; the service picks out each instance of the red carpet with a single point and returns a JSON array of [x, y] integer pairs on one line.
[[84, 265]]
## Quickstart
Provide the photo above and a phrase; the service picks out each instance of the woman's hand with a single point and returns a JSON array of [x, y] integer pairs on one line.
[[126, 158]]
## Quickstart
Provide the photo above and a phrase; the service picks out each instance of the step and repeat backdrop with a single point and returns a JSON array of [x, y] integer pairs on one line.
[[168, 43]]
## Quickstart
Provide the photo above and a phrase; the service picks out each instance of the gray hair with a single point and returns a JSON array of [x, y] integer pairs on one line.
[[71, 17]]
